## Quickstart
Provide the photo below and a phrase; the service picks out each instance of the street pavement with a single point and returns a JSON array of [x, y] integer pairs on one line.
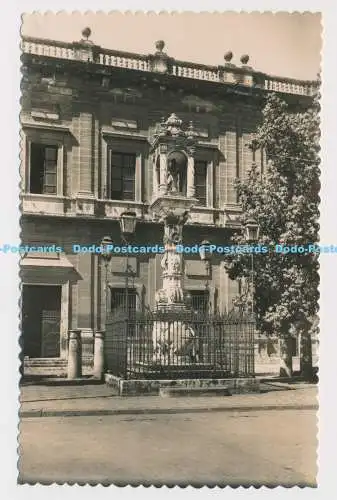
[[229, 448], [40, 401]]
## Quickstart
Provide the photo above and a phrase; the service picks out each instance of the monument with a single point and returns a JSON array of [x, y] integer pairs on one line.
[[174, 341]]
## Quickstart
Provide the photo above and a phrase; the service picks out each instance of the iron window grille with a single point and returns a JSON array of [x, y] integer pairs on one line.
[[200, 301]]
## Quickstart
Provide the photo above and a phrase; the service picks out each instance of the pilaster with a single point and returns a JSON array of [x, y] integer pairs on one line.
[[85, 152], [155, 185], [210, 184], [64, 326], [138, 178]]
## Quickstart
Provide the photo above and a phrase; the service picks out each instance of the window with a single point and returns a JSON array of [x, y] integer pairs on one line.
[[43, 169], [201, 182], [118, 300], [122, 176], [200, 301]]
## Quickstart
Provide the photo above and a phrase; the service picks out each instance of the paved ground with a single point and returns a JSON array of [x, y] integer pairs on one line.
[[45, 392], [260, 448], [94, 400]]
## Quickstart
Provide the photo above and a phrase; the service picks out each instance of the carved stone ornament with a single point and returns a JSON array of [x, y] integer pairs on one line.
[[164, 262], [160, 60], [174, 126], [171, 135], [174, 219], [191, 150], [174, 345], [172, 234]]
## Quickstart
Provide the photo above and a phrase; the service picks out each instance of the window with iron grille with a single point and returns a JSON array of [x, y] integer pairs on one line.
[[118, 300], [200, 181], [43, 169], [121, 181], [200, 301]]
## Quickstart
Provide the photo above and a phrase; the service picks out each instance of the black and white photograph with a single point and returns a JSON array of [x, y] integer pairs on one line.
[[169, 248]]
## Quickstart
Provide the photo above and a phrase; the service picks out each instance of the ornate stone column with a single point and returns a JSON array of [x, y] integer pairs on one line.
[[173, 338], [163, 170], [155, 186], [190, 176], [171, 295]]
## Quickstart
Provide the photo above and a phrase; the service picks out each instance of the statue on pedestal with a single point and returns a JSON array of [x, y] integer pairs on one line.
[[172, 178]]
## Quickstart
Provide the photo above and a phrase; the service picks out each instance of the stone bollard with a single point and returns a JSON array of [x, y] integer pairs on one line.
[[99, 355], [74, 354]]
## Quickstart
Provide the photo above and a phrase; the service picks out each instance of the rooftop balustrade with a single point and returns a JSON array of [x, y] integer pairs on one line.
[[160, 62]]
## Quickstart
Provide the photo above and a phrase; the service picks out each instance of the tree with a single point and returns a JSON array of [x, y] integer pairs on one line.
[[284, 202]]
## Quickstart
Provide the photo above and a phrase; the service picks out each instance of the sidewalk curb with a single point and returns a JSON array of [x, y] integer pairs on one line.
[[159, 411]]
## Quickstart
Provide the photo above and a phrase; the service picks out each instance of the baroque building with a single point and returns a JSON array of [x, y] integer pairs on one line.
[[106, 132]]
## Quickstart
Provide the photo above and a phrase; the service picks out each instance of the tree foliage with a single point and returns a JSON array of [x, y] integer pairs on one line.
[[284, 201]]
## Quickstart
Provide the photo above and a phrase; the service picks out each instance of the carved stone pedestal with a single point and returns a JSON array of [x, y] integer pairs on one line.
[[174, 343], [173, 338]]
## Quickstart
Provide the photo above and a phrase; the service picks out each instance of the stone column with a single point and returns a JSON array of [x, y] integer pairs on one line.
[[173, 340], [74, 354], [99, 355], [163, 173], [154, 179], [172, 277], [190, 177], [171, 294]]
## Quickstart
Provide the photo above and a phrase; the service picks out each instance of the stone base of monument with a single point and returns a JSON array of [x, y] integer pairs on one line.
[[183, 387], [174, 392], [178, 369]]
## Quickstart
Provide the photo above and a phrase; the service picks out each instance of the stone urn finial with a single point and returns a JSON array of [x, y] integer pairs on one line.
[[173, 121], [190, 133], [244, 59], [86, 33], [228, 56], [160, 44]]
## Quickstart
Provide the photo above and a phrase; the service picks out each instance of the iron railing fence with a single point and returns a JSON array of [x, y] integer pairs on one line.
[[181, 344]]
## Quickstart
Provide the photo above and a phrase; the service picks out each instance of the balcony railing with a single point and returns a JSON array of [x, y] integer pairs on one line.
[[139, 62]]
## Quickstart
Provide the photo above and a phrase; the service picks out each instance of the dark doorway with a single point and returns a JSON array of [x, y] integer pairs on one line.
[[41, 315]]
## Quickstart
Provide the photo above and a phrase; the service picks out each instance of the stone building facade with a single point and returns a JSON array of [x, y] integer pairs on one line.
[[90, 118]]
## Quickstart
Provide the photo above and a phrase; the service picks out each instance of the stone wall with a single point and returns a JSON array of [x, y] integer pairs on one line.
[[85, 113], [92, 117]]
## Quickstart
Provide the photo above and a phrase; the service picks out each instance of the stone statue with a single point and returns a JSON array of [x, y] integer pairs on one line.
[[176, 263], [172, 179], [170, 183]]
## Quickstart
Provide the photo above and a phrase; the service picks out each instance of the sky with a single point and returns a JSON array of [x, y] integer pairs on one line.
[[281, 44]]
